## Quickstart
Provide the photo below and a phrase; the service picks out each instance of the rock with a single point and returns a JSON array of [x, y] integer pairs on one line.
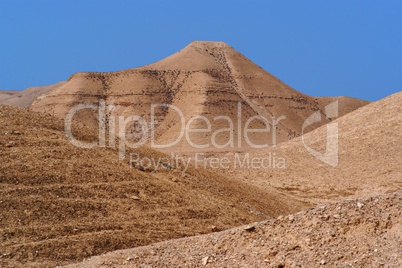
[[10, 144], [291, 218], [204, 260], [360, 205], [134, 197], [323, 262], [249, 228], [325, 217]]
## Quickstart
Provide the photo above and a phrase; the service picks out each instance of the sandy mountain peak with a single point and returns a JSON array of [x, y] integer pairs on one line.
[[198, 55], [208, 44], [204, 78]]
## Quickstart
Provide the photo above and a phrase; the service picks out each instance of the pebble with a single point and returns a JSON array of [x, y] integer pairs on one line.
[[249, 228], [205, 260], [10, 144]]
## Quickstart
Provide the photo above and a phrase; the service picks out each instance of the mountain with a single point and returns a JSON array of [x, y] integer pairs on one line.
[[207, 79]]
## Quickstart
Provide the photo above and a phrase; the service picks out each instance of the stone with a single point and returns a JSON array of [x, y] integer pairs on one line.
[[249, 228], [205, 260]]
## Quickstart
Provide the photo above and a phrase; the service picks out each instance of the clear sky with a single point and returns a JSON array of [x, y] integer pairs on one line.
[[321, 48]]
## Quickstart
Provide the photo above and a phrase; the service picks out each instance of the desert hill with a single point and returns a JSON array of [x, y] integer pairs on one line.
[[60, 203], [366, 232], [6, 94], [26, 97], [370, 157], [204, 79]]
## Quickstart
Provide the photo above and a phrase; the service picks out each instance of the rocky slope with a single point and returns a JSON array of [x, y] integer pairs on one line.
[[351, 233], [369, 151], [60, 203]]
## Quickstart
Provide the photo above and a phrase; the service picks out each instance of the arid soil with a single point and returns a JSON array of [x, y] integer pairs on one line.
[[351, 233], [60, 203]]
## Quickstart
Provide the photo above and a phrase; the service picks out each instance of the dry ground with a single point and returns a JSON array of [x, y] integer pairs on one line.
[[60, 203], [352, 233]]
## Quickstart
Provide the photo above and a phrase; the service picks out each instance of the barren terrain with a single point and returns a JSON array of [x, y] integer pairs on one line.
[[26, 97], [352, 233], [60, 203], [94, 207], [369, 151]]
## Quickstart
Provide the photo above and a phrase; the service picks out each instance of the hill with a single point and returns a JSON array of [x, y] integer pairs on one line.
[[208, 79], [6, 94], [369, 157], [60, 203], [26, 97]]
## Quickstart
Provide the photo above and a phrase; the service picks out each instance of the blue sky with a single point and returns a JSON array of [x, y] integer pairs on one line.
[[321, 48]]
